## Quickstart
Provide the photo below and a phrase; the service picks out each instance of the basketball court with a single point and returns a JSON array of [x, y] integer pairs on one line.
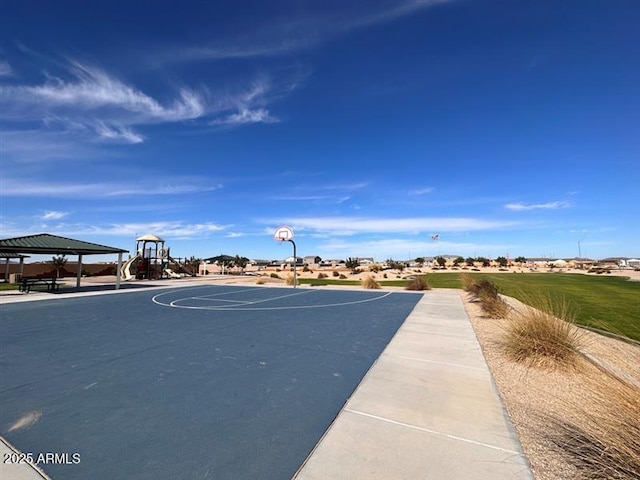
[[206, 381]]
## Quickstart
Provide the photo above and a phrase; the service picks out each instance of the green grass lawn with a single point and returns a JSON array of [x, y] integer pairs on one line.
[[606, 303], [8, 286]]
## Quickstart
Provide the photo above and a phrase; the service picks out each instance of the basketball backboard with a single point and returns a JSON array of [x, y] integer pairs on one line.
[[283, 234]]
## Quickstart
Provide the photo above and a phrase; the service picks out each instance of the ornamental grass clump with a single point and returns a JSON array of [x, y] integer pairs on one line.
[[602, 436], [418, 283], [543, 334], [370, 282], [486, 293]]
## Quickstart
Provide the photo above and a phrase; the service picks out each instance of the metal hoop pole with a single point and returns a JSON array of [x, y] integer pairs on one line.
[[295, 260]]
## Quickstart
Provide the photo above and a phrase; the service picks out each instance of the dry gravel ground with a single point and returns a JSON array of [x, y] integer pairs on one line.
[[535, 397]]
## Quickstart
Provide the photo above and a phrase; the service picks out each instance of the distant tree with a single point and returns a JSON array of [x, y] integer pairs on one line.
[[395, 265], [352, 264], [458, 261], [58, 262], [420, 261], [502, 261], [470, 262], [226, 264], [241, 262], [192, 264], [484, 261], [520, 260], [441, 261]]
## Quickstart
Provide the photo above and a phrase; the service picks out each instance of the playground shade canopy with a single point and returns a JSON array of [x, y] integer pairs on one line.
[[47, 244]]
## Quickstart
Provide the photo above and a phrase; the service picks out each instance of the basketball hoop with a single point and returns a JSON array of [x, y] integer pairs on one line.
[[283, 234]]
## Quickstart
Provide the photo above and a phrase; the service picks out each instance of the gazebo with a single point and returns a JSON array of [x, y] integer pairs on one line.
[[9, 256], [47, 244]]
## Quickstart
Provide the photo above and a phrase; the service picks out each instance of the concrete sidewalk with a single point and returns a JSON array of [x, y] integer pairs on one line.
[[427, 409], [14, 467]]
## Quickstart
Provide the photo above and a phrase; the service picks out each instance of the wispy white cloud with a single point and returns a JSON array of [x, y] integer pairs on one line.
[[518, 207], [104, 131], [12, 187], [303, 32], [52, 215], [421, 191], [246, 116], [166, 229], [312, 198], [93, 89], [117, 133], [346, 226], [5, 69], [89, 104]]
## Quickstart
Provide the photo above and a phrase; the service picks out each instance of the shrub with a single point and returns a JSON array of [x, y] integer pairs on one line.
[[418, 283], [335, 273], [486, 293], [384, 275], [274, 275], [603, 439], [305, 268], [494, 307], [322, 275], [290, 280], [467, 281], [370, 282], [260, 281], [483, 288], [342, 276], [543, 335]]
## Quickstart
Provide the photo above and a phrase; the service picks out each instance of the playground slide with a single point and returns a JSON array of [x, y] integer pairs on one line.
[[171, 274], [126, 268]]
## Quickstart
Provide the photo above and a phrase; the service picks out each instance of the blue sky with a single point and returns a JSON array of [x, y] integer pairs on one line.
[[506, 127]]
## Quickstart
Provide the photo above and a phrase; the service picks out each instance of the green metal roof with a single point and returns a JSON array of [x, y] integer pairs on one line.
[[46, 243], [12, 255]]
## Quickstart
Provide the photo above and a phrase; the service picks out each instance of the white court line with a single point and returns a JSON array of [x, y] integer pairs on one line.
[[221, 300], [174, 303], [278, 298], [236, 302], [205, 299], [433, 432]]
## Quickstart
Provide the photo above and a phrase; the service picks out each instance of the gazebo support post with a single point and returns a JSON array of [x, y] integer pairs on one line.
[[118, 271], [79, 272], [6, 270]]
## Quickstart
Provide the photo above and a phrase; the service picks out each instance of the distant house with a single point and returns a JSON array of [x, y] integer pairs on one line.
[[335, 262], [365, 261], [312, 260], [260, 262], [289, 260], [633, 263]]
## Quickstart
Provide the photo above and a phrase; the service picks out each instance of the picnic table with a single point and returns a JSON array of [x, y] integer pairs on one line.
[[27, 282]]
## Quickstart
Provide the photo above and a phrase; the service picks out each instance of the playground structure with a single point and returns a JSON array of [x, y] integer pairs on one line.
[[151, 261]]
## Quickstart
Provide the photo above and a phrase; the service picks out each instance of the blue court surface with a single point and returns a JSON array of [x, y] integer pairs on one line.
[[217, 382]]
